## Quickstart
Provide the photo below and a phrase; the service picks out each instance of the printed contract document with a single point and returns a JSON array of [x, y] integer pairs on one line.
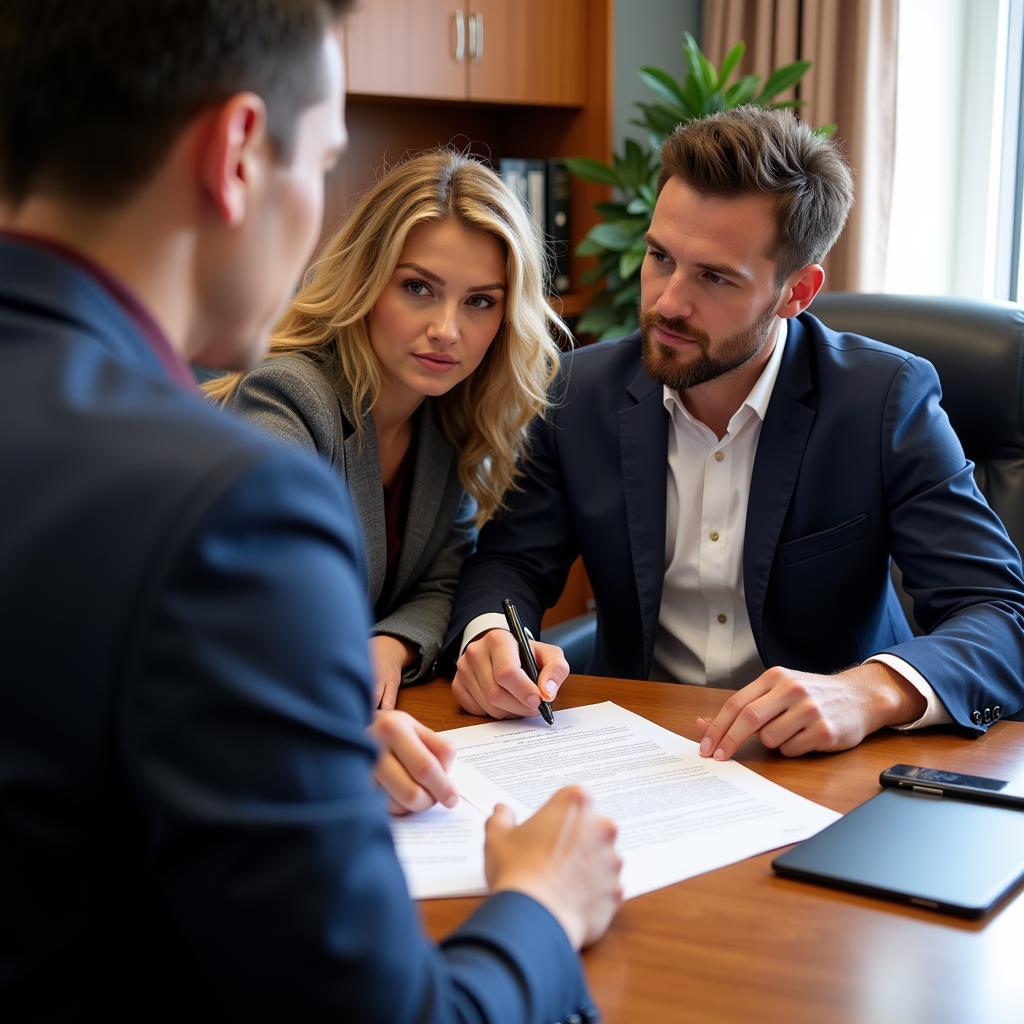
[[679, 814]]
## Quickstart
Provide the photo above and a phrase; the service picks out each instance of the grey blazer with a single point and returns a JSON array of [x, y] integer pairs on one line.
[[303, 398]]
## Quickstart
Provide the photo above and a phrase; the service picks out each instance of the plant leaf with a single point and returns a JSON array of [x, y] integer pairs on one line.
[[589, 247], [596, 319], [633, 166], [592, 170], [742, 91], [619, 330], [611, 211], [732, 58], [627, 294], [630, 262], [663, 85], [702, 69], [661, 120], [782, 79], [593, 275], [696, 95], [617, 235]]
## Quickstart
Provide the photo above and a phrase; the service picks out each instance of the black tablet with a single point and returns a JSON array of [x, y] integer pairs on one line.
[[949, 855]]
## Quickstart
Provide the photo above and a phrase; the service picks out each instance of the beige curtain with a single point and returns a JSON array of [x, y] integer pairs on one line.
[[852, 83]]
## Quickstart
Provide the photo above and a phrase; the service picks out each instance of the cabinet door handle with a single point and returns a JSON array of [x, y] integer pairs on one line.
[[460, 36], [476, 37]]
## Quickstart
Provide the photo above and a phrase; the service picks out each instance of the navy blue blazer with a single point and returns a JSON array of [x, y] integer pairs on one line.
[[188, 824], [856, 465]]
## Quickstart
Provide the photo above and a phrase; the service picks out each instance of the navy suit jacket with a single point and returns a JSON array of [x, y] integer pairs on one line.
[[856, 464], [188, 824]]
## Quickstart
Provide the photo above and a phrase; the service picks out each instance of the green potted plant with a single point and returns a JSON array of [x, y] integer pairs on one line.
[[618, 241]]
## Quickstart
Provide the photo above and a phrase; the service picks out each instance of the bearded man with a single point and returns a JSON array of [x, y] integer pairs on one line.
[[738, 479]]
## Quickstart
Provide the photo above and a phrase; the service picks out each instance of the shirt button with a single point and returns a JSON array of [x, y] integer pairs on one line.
[[723, 618], [713, 535], [719, 456]]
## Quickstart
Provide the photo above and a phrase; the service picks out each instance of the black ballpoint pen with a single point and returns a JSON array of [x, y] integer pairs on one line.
[[525, 653]]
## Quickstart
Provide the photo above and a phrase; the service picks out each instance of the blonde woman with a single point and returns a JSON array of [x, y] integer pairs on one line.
[[413, 360]]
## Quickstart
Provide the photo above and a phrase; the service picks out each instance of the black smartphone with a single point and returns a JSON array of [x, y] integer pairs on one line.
[[938, 782]]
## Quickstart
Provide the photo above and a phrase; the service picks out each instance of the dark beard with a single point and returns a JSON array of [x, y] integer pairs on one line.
[[668, 367]]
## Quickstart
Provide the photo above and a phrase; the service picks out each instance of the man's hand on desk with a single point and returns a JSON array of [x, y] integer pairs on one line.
[[798, 712], [489, 679], [413, 764], [564, 857]]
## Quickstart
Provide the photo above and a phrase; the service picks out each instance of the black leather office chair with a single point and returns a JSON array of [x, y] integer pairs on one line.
[[977, 347]]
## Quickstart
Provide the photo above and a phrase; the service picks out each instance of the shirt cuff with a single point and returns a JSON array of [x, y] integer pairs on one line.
[[489, 620], [935, 712]]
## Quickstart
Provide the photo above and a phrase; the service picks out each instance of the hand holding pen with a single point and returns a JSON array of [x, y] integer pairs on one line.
[[490, 677], [526, 654]]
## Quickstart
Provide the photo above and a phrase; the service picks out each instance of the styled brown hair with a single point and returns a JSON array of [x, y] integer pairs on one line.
[[755, 150]]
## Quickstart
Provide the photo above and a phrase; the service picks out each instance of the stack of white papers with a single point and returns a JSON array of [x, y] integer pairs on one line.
[[678, 814]]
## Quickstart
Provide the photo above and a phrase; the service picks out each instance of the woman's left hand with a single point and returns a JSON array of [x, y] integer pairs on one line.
[[390, 655], [413, 764]]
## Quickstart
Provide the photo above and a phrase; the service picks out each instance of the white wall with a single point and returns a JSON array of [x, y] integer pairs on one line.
[[647, 32], [945, 226]]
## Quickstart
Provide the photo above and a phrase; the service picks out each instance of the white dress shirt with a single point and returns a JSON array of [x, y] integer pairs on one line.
[[704, 635]]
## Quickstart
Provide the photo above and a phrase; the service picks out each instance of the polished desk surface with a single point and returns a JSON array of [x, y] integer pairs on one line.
[[741, 944]]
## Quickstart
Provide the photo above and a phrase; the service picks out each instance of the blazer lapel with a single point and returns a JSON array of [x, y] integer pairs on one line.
[[362, 474], [787, 425], [643, 439], [434, 457]]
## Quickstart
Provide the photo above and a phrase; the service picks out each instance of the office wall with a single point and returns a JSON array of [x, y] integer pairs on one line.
[[647, 32]]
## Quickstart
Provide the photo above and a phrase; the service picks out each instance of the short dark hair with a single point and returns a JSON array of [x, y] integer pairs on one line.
[[756, 150], [93, 93]]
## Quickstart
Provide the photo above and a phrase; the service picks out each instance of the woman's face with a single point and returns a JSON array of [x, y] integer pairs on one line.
[[439, 313]]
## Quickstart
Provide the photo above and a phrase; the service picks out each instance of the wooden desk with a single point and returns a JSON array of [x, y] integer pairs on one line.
[[742, 945]]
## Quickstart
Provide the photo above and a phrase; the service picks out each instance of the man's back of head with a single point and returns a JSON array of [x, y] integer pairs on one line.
[[178, 144], [94, 93]]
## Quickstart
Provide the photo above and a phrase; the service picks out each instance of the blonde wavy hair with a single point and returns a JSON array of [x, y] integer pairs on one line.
[[485, 416]]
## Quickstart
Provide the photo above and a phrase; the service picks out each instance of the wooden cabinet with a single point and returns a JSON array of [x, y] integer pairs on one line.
[[493, 51], [405, 48], [527, 51], [540, 89]]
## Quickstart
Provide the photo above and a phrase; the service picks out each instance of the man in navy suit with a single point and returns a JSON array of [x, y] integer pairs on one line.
[[189, 823], [737, 478]]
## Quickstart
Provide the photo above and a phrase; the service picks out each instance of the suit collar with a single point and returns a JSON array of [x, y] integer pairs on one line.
[[434, 456], [784, 433], [643, 444], [91, 295], [642, 384]]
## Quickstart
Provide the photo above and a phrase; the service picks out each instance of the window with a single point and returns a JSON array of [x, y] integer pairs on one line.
[[955, 227]]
